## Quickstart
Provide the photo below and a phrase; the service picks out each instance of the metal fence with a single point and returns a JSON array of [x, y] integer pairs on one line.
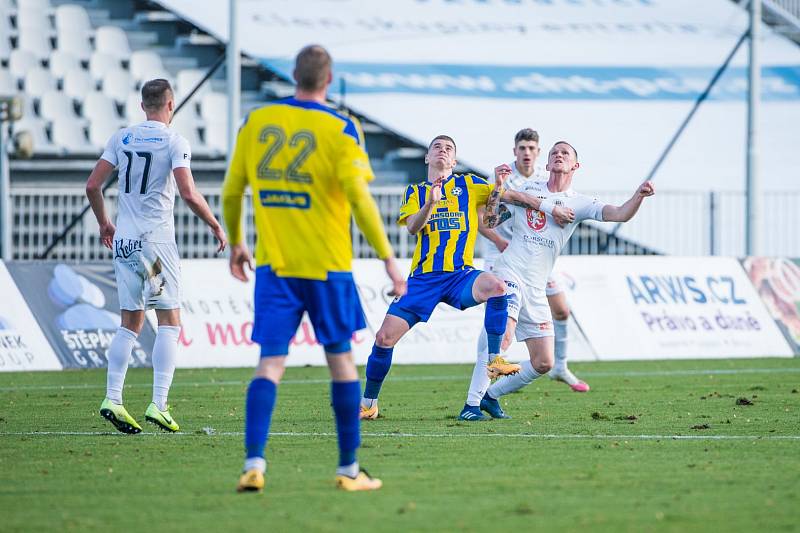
[[676, 223]]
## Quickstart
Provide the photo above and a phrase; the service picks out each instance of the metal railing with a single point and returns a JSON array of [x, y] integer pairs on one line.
[[674, 222]]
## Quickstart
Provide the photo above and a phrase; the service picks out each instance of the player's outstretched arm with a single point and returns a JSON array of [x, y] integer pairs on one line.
[[94, 191], [197, 203], [415, 222], [626, 211]]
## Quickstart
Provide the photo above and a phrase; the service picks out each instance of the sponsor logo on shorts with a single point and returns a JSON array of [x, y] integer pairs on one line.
[[124, 248], [545, 326], [512, 284], [536, 219]]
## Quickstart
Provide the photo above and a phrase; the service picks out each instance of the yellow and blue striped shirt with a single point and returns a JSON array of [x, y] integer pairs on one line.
[[447, 241]]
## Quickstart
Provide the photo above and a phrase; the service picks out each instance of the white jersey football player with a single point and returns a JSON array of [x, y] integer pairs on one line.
[[525, 169], [528, 260], [152, 161]]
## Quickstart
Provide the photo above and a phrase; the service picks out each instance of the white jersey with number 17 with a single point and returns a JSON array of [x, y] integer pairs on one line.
[[146, 154], [538, 240]]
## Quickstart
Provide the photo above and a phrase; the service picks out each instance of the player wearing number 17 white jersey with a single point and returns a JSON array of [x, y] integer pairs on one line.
[[152, 161], [527, 262]]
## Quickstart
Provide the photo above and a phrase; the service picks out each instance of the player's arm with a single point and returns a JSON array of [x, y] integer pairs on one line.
[[415, 222], [354, 172], [491, 234], [181, 156], [94, 191], [626, 211]]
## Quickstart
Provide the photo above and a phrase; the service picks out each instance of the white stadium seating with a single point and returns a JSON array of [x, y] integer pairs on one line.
[[61, 62], [112, 41], [133, 108], [70, 136], [72, 18], [8, 84], [38, 81], [55, 105], [146, 65], [98, 106], [75, 43], [21, 61], [100, 63], [117, 84], [36, 127], [101, 129], [36, 42]]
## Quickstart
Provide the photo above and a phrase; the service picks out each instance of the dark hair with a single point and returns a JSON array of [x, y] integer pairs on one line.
[[311, 67], [155, 94], [565, 142], [442, 138], [526, 134]]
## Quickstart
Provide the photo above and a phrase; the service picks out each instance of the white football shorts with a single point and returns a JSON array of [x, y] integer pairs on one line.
[[148, 275], [553, 285], [529, 307]]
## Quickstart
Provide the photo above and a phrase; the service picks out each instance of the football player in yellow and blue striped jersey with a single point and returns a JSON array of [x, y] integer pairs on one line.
[[307, 169], [443, 213]]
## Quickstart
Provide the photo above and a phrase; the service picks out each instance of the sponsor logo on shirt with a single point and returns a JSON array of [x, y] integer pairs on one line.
[[539, 240], [457, 191], [277, 198], [124, 248], [536, 219]]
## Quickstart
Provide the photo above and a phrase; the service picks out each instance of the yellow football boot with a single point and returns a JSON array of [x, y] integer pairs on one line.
[[362, 481], [119, 417], [500, 367], [251, 481], [368, 413]]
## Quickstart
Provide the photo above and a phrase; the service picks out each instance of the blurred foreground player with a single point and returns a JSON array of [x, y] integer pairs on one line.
[[307, 169], [152, 161]]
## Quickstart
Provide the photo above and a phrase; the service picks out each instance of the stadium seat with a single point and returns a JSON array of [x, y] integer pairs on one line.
[[146, 65], [34, 19], [214, 107], [186, 80], [5, 44], [100, 63], [101, 129], [78, 83], [21, 61], [42, 5], [133, 108], [38, 81], [71, 137], [112, 41], [56, 105], [117, 84], [61, 62], [72, 18], [36, 127], [36, 42], [76, 44], [187, 125], [97, 106], [8, 85], [217, 136]]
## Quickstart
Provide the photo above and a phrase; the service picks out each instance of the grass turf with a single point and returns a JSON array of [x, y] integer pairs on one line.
[[605, 460]]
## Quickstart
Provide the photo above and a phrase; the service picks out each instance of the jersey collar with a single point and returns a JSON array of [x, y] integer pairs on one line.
[[154, 124]]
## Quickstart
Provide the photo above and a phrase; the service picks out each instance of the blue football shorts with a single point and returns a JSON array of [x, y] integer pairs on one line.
[[426, 291]]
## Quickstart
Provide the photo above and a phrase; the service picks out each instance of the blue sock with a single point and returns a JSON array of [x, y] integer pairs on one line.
[[378, 365], [495, 321], [261, 396], [345, 398]]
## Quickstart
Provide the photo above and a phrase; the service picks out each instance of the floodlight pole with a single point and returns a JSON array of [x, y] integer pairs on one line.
[[234, 67], [5, 189], [752, 211]]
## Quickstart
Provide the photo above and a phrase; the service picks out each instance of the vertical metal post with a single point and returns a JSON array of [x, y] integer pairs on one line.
[[752, 211], [5, 194], [712, 222], [234, 69]]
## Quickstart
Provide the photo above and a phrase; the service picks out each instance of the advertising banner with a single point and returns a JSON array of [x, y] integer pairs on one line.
[[23, 346], [670, 308], [77, 308], [777, 281]]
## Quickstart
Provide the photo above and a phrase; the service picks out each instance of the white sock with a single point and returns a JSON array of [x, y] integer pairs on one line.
[[118, 355], [164, 351], [350, 470], [508, 384], [367, 403], [560, 330], [480, 381], [255, 463]]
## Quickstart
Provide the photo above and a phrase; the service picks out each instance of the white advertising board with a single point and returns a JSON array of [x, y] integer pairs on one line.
[[23, 346], [647, 307], [217, 319]]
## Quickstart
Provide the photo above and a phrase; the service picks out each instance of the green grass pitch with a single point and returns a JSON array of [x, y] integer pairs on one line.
[[608, 460]]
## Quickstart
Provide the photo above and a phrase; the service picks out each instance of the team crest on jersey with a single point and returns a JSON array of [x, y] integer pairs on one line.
[[128, 138], [457, 191], [536, 219]]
